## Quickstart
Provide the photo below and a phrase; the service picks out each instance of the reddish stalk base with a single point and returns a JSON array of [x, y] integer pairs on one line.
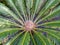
[[29, 25]]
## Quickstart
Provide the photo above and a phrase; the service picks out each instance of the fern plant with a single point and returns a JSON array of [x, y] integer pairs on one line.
[[30, 22]]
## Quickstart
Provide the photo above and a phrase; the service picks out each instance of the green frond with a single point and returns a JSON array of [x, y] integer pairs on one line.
[[30, 22]]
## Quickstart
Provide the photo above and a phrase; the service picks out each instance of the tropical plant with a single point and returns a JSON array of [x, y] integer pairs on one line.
[[30, 22]]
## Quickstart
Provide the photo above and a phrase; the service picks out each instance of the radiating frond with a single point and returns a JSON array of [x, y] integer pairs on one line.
[[30, 22]]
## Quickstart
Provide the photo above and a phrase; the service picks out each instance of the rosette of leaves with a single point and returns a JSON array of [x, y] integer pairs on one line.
[[30, 22]]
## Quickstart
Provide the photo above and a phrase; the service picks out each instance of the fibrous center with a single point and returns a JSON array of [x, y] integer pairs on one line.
[[29, 25]]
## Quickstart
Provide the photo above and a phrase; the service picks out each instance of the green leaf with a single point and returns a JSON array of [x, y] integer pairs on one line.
[[7, 23], [51, 24], [16, 38], [20, 4], [7, 12], [33, 7], [4, 23], [51, 14], [21, 39], [53, 34], [38, 6], [14, 8], [24, 10], [32, 39], [6, 31], [49, 5], [42, 38], [54, 40], [49, 40], [25, 39], [29, 4]]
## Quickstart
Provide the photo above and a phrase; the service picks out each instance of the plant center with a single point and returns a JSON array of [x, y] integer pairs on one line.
[[29, 25]]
